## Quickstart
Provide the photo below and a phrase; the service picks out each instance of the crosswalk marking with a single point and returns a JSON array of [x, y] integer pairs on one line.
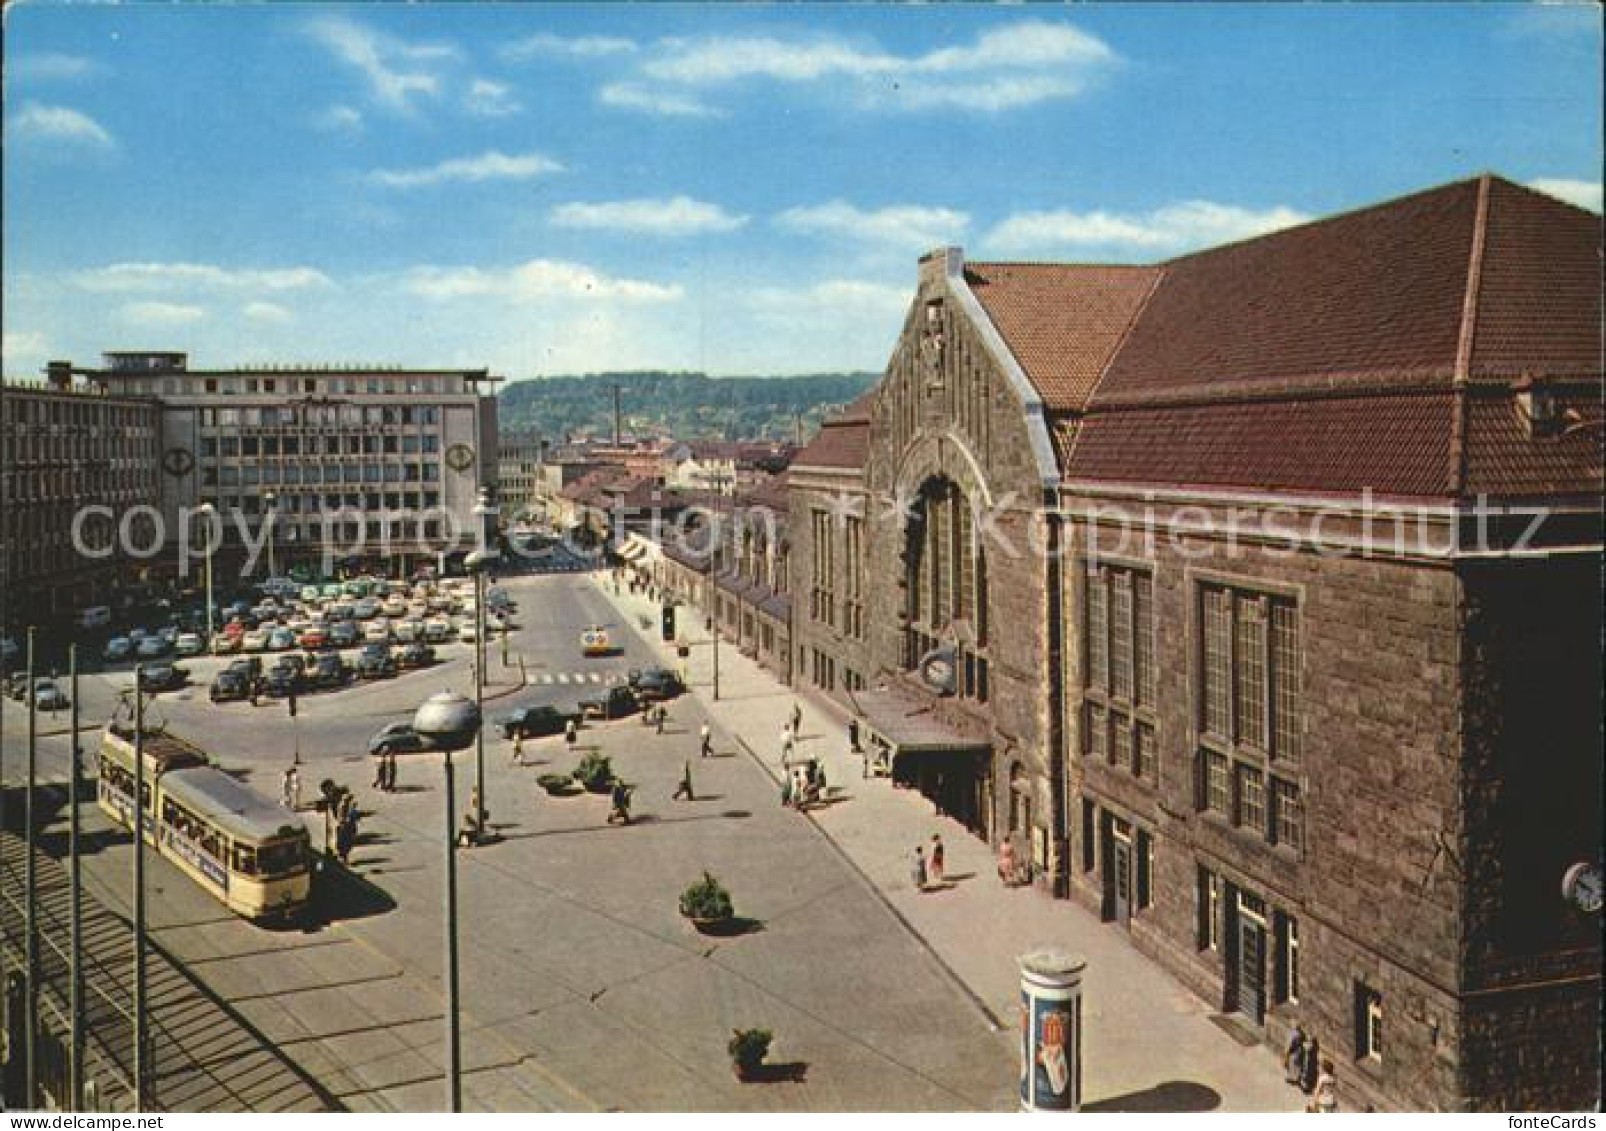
[[596, 677], [563, 677], [549, 678]]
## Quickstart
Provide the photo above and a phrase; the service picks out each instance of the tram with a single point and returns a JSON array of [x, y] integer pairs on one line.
[[252, 854]]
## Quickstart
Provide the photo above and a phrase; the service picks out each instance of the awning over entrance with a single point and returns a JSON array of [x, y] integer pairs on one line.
[[906, 726]]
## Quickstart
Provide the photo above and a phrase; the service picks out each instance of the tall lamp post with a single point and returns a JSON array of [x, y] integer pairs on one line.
[[271, 500], [476, 563], [449, 722], [207, 511]]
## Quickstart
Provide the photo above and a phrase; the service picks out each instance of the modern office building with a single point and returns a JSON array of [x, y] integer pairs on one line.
[[518, 467], [352, 461], [63, 450]]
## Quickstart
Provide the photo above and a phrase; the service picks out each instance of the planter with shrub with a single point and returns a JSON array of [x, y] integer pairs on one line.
[[748, 1048], [558, 785], [595, 773], [708, 905]]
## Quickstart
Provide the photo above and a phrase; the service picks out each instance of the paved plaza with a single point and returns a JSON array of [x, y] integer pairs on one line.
[[583, 988]]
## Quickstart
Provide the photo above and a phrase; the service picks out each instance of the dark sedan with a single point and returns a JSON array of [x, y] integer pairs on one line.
[[162, 677], [538, 720], [397, 738]]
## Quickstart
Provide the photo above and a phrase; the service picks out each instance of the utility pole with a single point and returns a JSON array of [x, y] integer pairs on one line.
[[30, 1009], [139, 887], [618, 430], [75, 992]]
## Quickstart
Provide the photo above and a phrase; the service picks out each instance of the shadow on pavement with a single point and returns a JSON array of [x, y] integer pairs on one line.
[[1171, 1096], [339, 894], [786, 1072]]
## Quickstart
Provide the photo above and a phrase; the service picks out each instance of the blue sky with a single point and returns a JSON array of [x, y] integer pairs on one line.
[[547, 189]]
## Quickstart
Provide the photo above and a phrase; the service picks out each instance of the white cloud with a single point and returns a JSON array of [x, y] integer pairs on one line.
[[160, 313], [339, 118], [1028, 62], [584, 47], [906, 225], [679, 216], [489, 166], [841, 296], [269, 312], [395, 70], [150, 277], [538, 279], [1175, 227], [22, 350], [49, 66], [1585, 194], [60, 124], [490, 99], [651, 100]]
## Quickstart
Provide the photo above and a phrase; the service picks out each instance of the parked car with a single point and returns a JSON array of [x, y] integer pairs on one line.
[[397, 738], [375, 662], [376, 632], [229, 684], [169, 634], [248, 666], [189, 644], [47, 696], [280, 639], [330, 671], [407, 631], [223, 644], [416, 655], [162, 677], [309, 594], [365, 609], [394, 607], [437, 631], [150, 648], [467, 632], [255, 640], [117, 648], [343, 634], [284, 681], [654, 684], [611, 703], [537, 720], [315, 636], [17, 686]]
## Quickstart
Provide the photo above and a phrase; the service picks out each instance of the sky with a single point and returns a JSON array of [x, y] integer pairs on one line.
[[547, 189]]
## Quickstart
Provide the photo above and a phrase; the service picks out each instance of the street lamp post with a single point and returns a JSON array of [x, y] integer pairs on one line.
[[271, 500], [477, 562], [30, 1010], [448, 722], [206, 511]]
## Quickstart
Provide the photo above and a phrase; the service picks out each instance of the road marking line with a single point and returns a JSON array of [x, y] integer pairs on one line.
[[563, 677], [596, 677]]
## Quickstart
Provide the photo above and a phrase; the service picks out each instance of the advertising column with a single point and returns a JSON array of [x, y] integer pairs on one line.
[[1051, 1030]]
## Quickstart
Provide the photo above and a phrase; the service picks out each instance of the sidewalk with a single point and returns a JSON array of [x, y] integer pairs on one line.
[[1150, 1043]]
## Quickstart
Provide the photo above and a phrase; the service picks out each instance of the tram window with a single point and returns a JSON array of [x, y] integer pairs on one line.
[[245, 860], [276, 859]]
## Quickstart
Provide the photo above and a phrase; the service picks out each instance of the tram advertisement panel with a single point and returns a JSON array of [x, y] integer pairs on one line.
[[188, 852]]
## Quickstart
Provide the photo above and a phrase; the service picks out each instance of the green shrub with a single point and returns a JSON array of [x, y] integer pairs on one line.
[[706, 899], [555, 783], [749, 1047], [595, 772]]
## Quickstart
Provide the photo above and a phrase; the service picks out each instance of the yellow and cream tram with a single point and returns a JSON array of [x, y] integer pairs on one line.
[[251, 853]]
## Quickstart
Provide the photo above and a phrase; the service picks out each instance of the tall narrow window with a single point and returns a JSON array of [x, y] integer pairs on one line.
[[1368, 1022], [1098, 629], [1285, 680], [1251, 671], [1143, 637], [1217, 675], [1121, 635]]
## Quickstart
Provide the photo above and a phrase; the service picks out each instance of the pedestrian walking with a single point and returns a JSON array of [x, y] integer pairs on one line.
[[518, 748], [1312, 1064], [620, 810], [936, 857], [390, 772], [1006, 863], [786, 790], [853, 737], [786, 745], [345, 837], [379, 770], [571, 734], [707, 737], [1294, 1057], [917, 869], [292, 789], [684, 788], [1326, 1099], [660, 716], [797, 718]]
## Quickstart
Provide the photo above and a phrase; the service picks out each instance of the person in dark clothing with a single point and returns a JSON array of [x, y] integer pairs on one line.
[[619, 813], [684, 788]]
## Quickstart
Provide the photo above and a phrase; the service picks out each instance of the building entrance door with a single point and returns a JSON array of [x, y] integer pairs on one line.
[[1121, 873], [1251, 968]]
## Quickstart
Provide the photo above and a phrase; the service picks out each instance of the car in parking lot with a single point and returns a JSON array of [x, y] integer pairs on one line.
[[47, 696], [406, 631], [255, 640], [343, 634], [223, 643], [162, 677], [280, 639], [415, 655], [365, 609], [189, 644], [397, 738], [330, 671], [284, 681], [314, 636], [467, 632], [376, 632], [375, 662], [118, 648], [229, 684], [611, 703], [654, 684], [340, 610], [526, 722], [437, 631], [309, 594], [150, 648], [248, 666], [17, 686]]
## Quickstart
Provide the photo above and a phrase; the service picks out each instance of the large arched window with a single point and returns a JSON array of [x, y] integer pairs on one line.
[[945, 580]]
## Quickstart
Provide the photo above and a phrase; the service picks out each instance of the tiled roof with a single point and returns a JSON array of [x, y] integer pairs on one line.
[[1061, 321], [1502, 460], [842, 442]]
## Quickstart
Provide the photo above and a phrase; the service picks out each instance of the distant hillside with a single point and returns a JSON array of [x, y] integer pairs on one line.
[[683, 405]]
